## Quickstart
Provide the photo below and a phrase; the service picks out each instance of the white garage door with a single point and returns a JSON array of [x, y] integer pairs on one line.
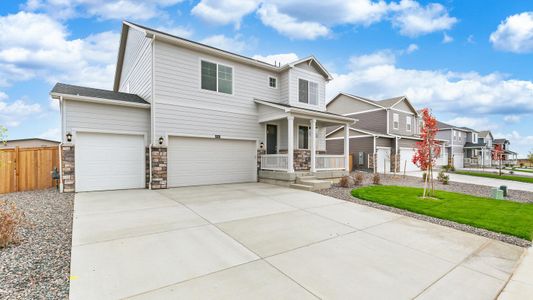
[[383, 160], [458, 160], [406, 160], [109, 161], [200, 161]]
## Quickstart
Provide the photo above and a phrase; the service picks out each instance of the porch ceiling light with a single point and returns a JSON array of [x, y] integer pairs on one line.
[[161, 140], [69, 137]]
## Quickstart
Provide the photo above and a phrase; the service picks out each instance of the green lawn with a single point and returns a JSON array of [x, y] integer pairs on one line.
[[502, 216], [492, 175], [522, 170]]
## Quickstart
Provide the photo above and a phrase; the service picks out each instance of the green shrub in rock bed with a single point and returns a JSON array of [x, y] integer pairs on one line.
[[512, 218]]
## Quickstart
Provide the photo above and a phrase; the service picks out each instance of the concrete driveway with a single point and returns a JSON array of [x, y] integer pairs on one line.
[[267, 242], [494, 182]]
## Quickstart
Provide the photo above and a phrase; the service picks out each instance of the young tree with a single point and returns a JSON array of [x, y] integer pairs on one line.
[[497, 155], [3, 134], [428, 149], [530, 158]]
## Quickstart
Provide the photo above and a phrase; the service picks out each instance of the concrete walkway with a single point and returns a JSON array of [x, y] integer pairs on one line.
[[504, 171], [512, 185], [259, 241], [520, 287]]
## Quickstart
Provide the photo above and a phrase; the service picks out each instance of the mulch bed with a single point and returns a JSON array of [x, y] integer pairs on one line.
[[476, 190], [38, 267]]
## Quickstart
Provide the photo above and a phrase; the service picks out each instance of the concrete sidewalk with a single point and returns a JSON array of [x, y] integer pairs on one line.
[[267, 242], [512, 185], [520, 287]]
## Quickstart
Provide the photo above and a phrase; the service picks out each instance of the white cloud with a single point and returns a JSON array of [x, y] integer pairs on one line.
[[411, 48], [104, 9], [25, 54], [483, 123], [224, 12], [233, 44], [290, 26], [51, 134], [514, 34], [512, 118], [376, 76], [446, 38], [521, 144], [283, 58], [414, 20], [13, 114]]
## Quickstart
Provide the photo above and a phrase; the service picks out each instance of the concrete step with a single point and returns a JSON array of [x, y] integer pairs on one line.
[[316, 184], [301, 187], [299, 179]]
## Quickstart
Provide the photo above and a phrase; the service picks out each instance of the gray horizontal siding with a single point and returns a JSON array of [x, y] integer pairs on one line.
[[365, 145], [298, 73], [375, 121], [137, 68], [346, 105], [402, 119], [93, 116]]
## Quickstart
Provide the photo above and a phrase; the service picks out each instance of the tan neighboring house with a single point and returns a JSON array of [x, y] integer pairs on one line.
[[182, 113], [29, 143], [386, 129]]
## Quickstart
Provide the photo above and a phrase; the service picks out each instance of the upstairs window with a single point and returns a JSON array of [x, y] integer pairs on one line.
[[307, 92], [395, 121], [272, 82], [459, 136], [454, 135], [408, 123], [217, 77], [474, 138]]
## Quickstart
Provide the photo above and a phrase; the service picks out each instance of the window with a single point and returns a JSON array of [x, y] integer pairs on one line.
[[474, 137], [459, 135], [408, 123], [395, 121], [454, 135], [303, 137], [307, 92], [272, 82], [216, 77]]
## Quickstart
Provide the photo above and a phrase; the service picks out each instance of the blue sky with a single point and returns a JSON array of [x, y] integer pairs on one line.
[[470, 61]]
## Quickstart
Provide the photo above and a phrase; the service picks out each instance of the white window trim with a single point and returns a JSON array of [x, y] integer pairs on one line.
[[268, 82], [217, 63], [308, 85], [393, 122], [408, 123], [298, 136]]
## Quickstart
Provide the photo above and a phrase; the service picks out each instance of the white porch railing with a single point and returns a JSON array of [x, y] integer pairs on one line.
[[275, 162], [329, 162]]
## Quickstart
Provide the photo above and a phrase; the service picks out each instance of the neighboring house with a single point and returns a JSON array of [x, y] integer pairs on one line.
[[386, 129], [182, 113], [483, 150], [501, 151], [29, 143], [456, 138]]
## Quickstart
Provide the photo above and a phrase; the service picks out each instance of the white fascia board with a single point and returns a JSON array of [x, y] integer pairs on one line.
[[98, 100]]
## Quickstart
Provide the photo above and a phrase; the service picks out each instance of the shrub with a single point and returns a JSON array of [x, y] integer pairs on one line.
[[358, 178], [521, 165], [346, 182], [376, 179], [511, 172], [11, 219], [452, 168], [443, 178]]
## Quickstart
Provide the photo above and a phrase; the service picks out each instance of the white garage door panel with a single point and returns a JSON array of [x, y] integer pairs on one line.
[[458, 161], [200, 161], [109, 161], [406, 160]]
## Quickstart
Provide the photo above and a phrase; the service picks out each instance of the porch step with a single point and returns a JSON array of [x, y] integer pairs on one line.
[[301, 187], [299, 179], [316, 184]]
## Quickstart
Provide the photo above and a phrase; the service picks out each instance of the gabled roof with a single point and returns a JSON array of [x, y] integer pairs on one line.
[[474, 145], [391, 102], [446, 126], [62, 89], [358, 98], [384, 104], [484, 134], [468, 129], [151, 32], [500, 141], [296, 109]]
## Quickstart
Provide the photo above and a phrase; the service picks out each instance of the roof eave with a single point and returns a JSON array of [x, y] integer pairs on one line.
[[98, 100]]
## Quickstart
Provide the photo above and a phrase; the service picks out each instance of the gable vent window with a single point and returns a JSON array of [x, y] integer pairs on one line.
[[408, 123], [395, 121], [272, 82], [217, 77], [307, 92]]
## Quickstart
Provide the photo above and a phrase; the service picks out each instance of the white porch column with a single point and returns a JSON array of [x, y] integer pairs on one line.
[[313, 145], [346, 147], [290, 144]]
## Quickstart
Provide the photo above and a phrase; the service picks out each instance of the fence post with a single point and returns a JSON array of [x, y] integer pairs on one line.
[[17, 164]]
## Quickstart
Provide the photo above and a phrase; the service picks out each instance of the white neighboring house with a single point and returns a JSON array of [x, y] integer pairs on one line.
[[182, 113]]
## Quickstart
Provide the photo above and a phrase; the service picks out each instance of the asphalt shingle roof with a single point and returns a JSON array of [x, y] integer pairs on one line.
[[474, 145], [499, 141], [67, 89]]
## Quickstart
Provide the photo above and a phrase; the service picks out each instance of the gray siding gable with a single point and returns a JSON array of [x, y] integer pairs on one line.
[[343, 104]]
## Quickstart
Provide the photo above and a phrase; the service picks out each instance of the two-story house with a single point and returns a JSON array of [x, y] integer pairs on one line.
[[183, 113], [478, 149], [502, 154], [461, 143], [385, 136]]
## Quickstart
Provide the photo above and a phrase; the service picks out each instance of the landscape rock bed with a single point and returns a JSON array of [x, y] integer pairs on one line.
[[38, 267], [345, 194]]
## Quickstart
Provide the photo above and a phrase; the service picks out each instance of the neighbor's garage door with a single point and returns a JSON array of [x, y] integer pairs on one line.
[[200, 161], [458, 160], [109, 161], [406, 160]]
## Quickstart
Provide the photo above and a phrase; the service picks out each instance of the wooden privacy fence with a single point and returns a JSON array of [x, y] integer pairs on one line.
[[26, 169]]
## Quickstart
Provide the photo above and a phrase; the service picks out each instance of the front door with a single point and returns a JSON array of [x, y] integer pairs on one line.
[[272, 139]]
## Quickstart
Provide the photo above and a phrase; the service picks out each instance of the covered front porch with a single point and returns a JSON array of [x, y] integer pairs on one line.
[[294, 140]]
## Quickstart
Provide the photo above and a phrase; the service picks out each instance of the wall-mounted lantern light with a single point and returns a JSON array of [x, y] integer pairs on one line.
[[262, 145], [161, 140], [69, 137]]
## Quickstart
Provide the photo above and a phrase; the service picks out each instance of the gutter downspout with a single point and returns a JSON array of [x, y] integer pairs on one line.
[[60, 146]]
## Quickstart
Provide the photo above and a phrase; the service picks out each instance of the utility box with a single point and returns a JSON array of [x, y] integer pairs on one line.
[[496, 193], [504, 189]]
